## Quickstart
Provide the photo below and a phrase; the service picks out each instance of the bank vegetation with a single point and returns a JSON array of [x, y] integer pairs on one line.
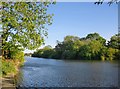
[[91, 47]]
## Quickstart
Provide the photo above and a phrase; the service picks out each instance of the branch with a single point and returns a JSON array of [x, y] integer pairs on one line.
[[109, 3]]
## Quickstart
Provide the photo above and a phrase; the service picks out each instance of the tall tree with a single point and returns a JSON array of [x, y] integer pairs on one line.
[[69, 47], [24, 23]]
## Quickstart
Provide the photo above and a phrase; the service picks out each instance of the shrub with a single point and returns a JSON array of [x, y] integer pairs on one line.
[[8, 67]]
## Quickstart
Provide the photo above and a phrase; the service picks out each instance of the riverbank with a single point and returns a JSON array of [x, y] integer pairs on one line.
[[10, 69], [8, 82]]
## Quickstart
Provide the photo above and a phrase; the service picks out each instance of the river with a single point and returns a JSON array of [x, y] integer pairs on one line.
[[40, 72]]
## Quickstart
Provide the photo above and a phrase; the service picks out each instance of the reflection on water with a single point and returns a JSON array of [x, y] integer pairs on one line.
[[39, 72]]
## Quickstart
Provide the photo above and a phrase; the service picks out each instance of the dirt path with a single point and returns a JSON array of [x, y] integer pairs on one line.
[[0, 82], [8, 82]]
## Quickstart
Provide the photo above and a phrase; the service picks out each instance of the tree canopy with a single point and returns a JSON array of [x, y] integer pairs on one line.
[[24, 24], [91, 47], [115, 41]]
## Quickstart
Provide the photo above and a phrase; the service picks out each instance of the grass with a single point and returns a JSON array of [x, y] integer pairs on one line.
[[0, 67], [8, 66]]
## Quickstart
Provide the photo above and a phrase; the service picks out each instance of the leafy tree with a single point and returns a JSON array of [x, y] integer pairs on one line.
[[113, 51], [114, 41], [59, 49], [114, 47], [117, 54], [24, 24], [28, 54], [110, 54], [72, 44], [71, 38], [10, 50], [94, 36], [90, 51], [69, 47], [45, 52], [7, 67], [91, 47]]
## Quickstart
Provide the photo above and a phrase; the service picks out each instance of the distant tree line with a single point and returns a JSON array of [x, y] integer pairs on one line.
[[28, 54], [91, 47]]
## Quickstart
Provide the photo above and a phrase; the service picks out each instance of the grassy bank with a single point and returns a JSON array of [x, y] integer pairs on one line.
[[10, 68]]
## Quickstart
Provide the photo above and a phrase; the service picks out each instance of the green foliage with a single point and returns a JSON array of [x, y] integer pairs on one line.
[[84, 52], [114, 41], [90, 50], [8, 67], [103, 53], [46, 52], [114, 45], [10, 50], [69, 47], [19, 56], [28, 54], [94, 36], [91, 47], [69, 54], [24, 27], [110, 54], [24, 24], [0, 66], [117, 54]]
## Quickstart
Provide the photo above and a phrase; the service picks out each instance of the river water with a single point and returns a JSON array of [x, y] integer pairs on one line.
[[40, 72]]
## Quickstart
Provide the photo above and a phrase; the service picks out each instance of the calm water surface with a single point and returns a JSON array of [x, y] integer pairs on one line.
[[39, 72]]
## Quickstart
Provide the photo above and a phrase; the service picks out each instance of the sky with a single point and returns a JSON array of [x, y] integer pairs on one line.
[[80, 19]]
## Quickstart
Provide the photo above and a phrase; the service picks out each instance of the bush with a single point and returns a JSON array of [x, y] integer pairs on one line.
[[109, 53], [8, 67], [117, 54], [69, 54], [0, 66], [12, 65], [19, 56]]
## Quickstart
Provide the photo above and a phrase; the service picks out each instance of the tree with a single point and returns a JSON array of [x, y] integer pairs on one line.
[[93, 36], [45, 52], [68, 48], [110, 54], [114, 44], [90, 47], [114, 41], [90, 50], [24, 23], [10, 50]]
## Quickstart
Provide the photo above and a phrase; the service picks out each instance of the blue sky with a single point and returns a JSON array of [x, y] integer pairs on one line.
[[80, 19]]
